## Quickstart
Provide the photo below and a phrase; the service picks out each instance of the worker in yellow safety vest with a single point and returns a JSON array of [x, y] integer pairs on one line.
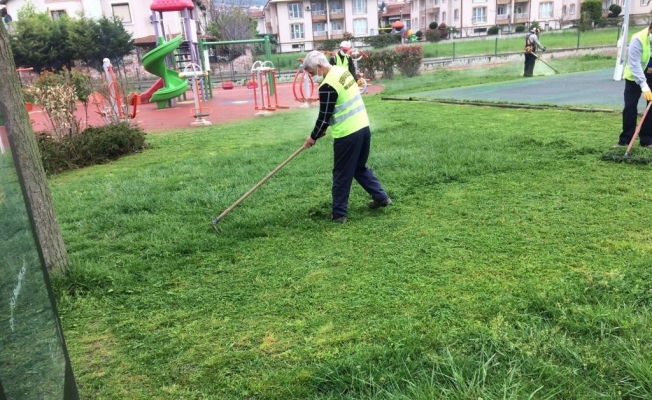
[[341, 108], [343, 58], [638, 79]]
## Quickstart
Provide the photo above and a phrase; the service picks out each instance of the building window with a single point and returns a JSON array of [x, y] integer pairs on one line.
[[295, 10], [319, 29], [545, 10], [297, 31], [443, 16], [360, 27], [456, 15], [336, 7], [563, 10], [480, 15], [122, 11], [480, 30], [518, 10], [501, 10], [337, 27], [572, 9], [318, 9], [57, 14], [359, 7]]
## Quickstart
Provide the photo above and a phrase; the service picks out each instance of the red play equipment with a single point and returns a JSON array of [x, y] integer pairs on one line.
[[263, 77]]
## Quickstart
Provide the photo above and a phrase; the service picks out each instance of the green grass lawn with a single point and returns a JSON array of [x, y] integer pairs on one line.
[[514, 263]]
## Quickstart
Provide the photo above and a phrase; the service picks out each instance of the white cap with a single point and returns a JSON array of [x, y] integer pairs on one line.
[[345, 44]]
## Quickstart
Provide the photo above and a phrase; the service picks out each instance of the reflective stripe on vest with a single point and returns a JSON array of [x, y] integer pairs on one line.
[[645, 54], [350, 114]]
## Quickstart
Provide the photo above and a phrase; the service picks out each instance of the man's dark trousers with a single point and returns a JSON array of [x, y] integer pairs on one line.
[[530, 60], [350, 155], [630, 114]]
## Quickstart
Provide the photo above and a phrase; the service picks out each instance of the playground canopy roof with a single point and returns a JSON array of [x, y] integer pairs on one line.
[[171, 5]]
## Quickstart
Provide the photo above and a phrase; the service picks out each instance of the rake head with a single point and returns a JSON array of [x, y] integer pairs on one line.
[[626, 158], [216, 220]]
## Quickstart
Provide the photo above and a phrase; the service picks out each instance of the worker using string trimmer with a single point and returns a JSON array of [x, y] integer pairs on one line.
[[531, 45]]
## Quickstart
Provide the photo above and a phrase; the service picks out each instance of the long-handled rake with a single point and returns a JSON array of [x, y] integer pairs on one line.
[[626, 156], [549, 66], [217, 219]]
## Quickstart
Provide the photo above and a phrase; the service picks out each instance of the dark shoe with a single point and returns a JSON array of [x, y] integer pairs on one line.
[[647, 146], [339, 220], [373, 204], [617, 145]]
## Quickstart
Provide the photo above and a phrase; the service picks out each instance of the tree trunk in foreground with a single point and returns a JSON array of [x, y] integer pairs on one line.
[[22, 142]]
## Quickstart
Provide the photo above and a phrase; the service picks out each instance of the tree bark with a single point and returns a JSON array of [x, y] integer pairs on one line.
[[24, 148]]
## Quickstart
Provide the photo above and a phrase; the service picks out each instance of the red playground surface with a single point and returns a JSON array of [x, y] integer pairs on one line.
[[225, 106]]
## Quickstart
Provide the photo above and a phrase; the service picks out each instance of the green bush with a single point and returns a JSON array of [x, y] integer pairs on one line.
[[409, 60], [614, 10], [433, 35], [433, 25], [95, 145], [382, 40], [379, 61], [594, 8], [493, 30], [328, 44], [519, 29]]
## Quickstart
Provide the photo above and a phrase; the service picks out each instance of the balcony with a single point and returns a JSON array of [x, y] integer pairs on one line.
[[318, 15], [522, 17], [498, 2], [319, 35], [502, 19], [337, 12]]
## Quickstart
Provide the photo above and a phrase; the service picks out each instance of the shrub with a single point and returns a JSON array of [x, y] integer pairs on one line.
[[433, 35], [95, 145], [381, 61], [519, 29], [419, 35], [382, 40], [433, 25], [443, 30], [328, 44], [409, 60], [493, 30], [615, 10]]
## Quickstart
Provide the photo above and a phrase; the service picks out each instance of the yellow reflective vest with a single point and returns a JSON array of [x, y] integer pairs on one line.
[[645, 54], [341, 61], [350, 114]]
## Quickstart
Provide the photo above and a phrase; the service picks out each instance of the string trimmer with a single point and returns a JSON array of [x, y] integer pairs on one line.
[[549, 66], [626, 156], [217, 219]]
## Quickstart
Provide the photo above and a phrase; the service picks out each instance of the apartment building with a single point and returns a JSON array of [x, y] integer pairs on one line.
[[135, 14], [475, 17], [298, 23]]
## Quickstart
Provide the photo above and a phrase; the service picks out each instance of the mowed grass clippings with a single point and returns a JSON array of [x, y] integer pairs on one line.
[[513, 264]]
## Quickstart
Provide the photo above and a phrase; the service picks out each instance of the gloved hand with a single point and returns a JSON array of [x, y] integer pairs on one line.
[[647, 94], [544, 49]]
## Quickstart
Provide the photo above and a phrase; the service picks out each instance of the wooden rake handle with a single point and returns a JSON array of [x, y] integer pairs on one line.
[[256, 186], [638, 129]]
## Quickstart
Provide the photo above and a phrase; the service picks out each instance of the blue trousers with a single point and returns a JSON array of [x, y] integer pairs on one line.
[[350, 155]]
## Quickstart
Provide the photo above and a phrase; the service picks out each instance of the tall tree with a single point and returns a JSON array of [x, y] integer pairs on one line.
[[25, 152]]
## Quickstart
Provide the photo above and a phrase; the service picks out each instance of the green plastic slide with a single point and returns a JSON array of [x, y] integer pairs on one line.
[[154, 62]]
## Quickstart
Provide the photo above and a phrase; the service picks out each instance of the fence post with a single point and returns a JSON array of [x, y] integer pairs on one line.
[[578, 38], [453, 51], [496, 48]]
